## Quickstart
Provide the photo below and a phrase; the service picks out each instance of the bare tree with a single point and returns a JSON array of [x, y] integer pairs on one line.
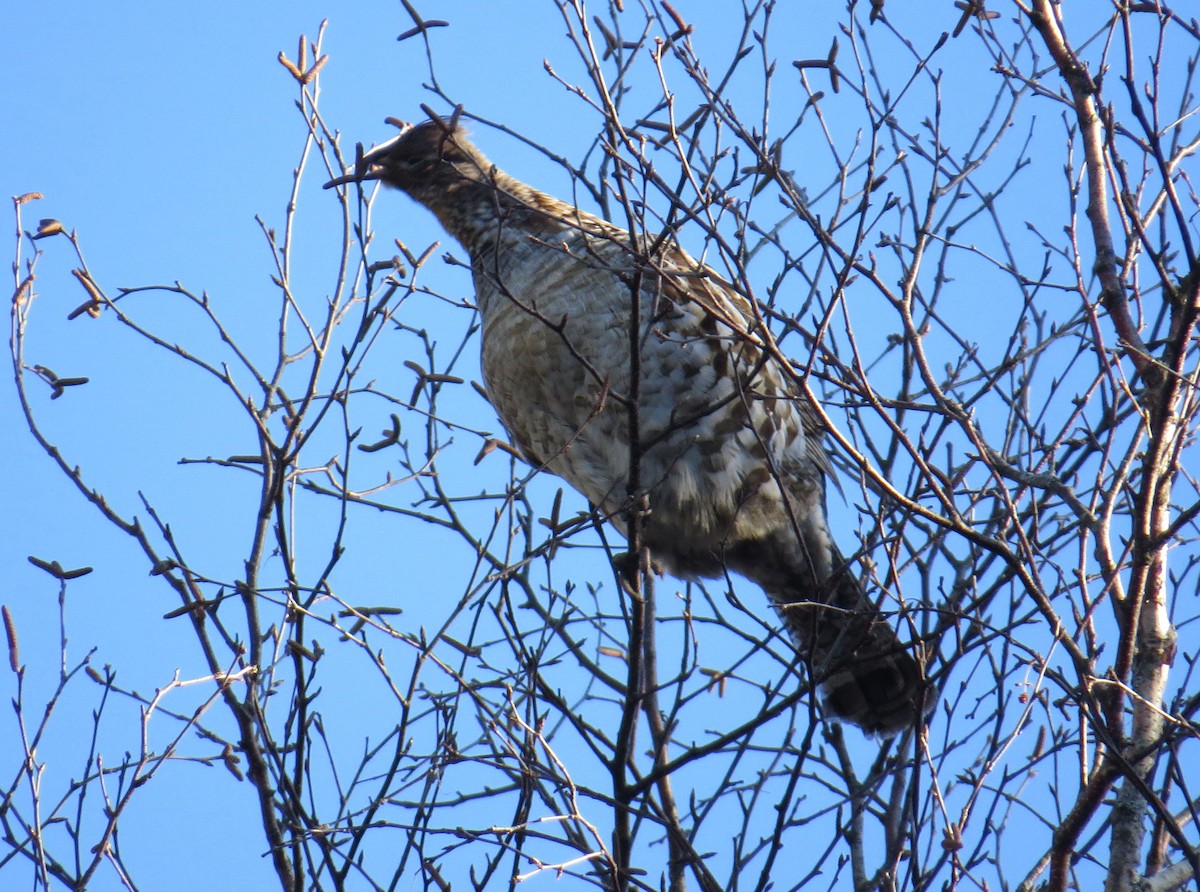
[[974, 234]]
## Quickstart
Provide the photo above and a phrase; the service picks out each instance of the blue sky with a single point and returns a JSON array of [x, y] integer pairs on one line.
[[158, 133]]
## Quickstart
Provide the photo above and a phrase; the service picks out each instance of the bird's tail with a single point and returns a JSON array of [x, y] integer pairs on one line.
[[867, 675]]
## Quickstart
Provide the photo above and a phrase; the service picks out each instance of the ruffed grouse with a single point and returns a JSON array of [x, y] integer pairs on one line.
[[732, 458]]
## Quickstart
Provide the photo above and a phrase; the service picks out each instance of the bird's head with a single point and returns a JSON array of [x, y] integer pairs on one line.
[[430, 155], [438, 167]]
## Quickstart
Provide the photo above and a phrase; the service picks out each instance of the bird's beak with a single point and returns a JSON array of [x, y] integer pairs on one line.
[[355, 176], [366, 167]]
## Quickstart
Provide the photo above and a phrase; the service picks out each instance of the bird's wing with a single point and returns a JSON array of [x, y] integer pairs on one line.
[[687, 280], [684, 280]]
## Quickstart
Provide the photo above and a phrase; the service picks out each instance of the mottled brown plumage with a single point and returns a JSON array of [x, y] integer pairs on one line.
[[732, 461]]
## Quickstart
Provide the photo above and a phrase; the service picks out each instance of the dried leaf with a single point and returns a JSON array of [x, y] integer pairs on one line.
[[291, 67], [10, 632], [47, 227]]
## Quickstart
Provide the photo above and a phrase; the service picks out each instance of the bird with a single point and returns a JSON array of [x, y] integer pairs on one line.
[[597, 345]]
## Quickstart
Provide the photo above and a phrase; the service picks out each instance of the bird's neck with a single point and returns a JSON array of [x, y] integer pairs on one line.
[[474, 211]]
